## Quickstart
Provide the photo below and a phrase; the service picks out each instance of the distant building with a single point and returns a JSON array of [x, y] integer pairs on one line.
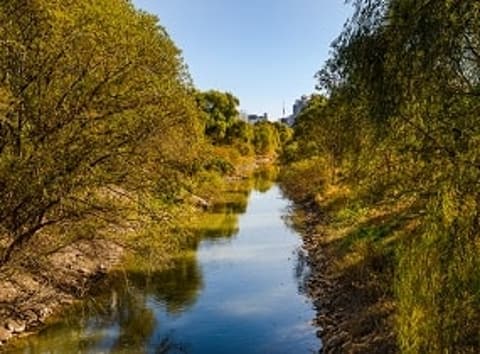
[[254, 118], [300, 104], [243, 116], [287, 120], [297, 108]]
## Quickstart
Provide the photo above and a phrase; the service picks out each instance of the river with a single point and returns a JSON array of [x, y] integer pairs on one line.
[[241, 291]]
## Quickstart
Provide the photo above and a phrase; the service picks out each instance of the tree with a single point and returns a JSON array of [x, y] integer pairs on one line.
[[400, 120], [220, 111], [94, 94], [266, 140]]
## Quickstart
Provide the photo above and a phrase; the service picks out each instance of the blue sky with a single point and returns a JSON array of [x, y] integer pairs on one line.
[[263, 51]]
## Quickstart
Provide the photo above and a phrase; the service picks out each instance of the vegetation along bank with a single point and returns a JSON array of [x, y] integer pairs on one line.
[[385, 161]]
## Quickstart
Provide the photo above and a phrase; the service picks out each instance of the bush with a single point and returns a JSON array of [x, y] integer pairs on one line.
[[304, 179]]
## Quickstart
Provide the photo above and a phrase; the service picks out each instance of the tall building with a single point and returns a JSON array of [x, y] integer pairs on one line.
[[298, 106]]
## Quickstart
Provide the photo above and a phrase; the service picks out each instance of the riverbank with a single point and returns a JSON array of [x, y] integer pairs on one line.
[[32, 293], [35, 290], [354, 310]]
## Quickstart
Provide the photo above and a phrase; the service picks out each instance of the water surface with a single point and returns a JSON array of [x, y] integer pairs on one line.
[[240, 292]]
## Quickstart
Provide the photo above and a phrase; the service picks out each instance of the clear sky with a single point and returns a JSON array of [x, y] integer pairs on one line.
[[263, 51]]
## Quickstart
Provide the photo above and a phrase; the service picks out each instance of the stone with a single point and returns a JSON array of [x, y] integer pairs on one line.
[[200, 202], [83, 271], [102, 267], [4, 334], [44, 313], [320, 332], [31, 316], [16, 326], [335, 341]]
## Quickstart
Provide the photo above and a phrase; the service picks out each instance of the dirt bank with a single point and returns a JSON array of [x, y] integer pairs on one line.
[[33, 292], [354, 311]]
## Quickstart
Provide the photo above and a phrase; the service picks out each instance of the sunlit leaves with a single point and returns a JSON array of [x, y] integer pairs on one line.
[[93, 93], [402, 119]]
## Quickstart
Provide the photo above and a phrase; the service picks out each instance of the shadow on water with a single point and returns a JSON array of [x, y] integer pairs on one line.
[[237, 207], [122, 319], [176, 287]]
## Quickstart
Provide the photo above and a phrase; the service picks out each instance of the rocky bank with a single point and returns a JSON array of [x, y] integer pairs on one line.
[[32, 292], [353, 315]]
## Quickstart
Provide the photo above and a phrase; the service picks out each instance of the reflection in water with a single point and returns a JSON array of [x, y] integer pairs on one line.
[[217, 225], [240, 296], [264, 178], [302, 269], [114, 323], [177, 287], [236, 207]]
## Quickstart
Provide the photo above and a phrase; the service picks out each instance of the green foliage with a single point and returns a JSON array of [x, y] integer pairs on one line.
[[240, 135], [303, 179], [400, 119], [220, 165], [93, 94], [285, 133], [266, 138], [224, 127], [220, 110], [438, 284]]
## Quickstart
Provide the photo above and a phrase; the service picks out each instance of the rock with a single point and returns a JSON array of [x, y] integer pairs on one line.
[[16, 326], [335, 342], [31, 316], [4, 335], [320, 332], [44, 313], [83, 271], [323, 311], [199, 202], [346, 346], [66, 302], [102, 268]]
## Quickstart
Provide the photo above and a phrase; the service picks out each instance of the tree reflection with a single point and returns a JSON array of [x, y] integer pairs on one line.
[[264, 178], [176, 287], [121, 323], [214, 226]]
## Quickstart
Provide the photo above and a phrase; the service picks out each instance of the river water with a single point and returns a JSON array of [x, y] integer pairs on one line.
[[240, 292]]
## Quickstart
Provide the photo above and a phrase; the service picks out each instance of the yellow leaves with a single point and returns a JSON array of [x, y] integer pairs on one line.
[[99, 97], [6, 101]]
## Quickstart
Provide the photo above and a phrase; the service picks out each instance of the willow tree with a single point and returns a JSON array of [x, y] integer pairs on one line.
[[94, 94], [407, 74]]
